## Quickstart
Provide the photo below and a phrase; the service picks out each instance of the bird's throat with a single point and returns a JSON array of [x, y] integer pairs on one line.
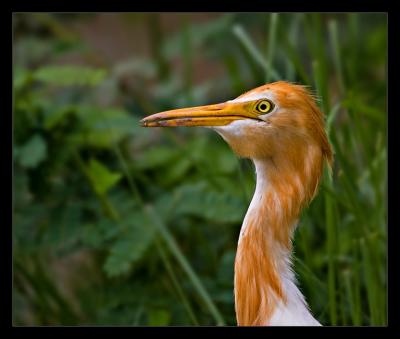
[[262, 265]]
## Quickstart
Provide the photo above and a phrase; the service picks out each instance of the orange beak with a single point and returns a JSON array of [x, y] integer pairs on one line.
[[209, 115]]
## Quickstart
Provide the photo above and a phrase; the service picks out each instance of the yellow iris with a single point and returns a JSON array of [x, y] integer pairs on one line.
[[264, 106]]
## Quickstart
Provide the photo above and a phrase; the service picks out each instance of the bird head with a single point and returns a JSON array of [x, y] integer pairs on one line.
[[275, 120]]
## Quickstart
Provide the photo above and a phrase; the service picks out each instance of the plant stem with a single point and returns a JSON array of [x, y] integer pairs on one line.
[[175, 282]]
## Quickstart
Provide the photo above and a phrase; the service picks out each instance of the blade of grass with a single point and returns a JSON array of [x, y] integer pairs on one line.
[[350, 295], [37, 295], [349, 189], [331, 117], [369, 279], [333, 32], [186, 47], [295, 59], [173, 246], [329, 211], [314, 33], [357, 316], [248, 44], [304, 241], [175, 282], [138, 314], [331, 251], [156, 44], [353, 27], [320, 85], [377, 275], [310, 274], [271, 44], [234, 73], [291, 40], [343, 302]]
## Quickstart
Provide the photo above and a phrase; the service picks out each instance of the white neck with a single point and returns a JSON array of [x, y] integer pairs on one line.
[[293, 312]]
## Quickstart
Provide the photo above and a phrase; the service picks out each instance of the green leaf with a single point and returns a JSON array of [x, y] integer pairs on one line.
[[102, 178], [121, 256], [200, 201], [64, 228], [55, 115], [21, 78], [33, 152], [69, 75], [159, 318], [130, 245], [96, 235], [156, 157], [176, 170], [102, 127], [219, 159]]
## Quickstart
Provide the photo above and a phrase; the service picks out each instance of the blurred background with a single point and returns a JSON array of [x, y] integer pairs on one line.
[[114, 224]]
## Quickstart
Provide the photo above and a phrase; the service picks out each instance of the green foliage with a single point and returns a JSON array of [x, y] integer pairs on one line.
[[69, 75], [130, 245], [32, 153], [102, 128], [200, 201], [102, 178], [114, 224]]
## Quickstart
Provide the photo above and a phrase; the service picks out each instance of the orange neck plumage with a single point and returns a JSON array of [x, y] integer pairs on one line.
[[264, 247]]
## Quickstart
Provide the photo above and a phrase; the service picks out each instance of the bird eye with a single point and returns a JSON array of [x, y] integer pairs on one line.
[[264, 106]]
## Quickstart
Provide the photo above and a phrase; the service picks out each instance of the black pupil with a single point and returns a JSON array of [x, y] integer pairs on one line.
[[263, 107]]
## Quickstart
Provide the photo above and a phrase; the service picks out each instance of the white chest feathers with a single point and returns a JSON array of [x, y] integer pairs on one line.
[[295, 312]]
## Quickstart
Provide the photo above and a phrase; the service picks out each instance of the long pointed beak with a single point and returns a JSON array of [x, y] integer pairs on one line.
[[209, 115]]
